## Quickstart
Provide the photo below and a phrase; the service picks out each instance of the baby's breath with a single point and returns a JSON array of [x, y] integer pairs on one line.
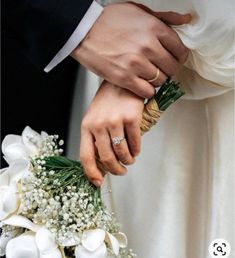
[[59, 196]]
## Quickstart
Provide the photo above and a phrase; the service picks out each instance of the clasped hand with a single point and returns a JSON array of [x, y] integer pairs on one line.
[[126, 46]]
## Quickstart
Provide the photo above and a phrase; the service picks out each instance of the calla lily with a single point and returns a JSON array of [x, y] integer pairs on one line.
[[32, 140], [22, 147], [5, 239], [100, 252], [46, 244], [18, 169], [23, 246], [13, 148], [9, 187], [93, 244], [39, 242], [9, 201]]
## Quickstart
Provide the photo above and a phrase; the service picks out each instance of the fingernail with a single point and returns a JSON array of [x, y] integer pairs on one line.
[[97, 182]]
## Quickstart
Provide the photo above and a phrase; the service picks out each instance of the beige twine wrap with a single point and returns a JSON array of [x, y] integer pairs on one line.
[[151, 115]]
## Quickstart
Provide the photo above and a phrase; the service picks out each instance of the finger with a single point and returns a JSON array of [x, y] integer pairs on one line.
[[121, 150], [123, 79], [88, 158], [165, 61], [142, 88], [133, 135], [173, 18], [172, 42], [157, 79], [146, 70], [106, 153]]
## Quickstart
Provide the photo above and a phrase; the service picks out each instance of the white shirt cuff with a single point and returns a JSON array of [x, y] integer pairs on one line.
[[78, 35]]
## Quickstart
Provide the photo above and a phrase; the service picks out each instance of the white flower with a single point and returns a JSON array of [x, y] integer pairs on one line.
[[4, 239], [39, 242], [93, 244], [22, 246], [9, 187], [22, 147]]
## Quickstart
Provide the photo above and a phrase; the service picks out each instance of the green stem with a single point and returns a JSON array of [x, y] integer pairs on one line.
[[168, 94]]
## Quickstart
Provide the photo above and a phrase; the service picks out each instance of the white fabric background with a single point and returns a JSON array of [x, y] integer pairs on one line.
[[180, 193]]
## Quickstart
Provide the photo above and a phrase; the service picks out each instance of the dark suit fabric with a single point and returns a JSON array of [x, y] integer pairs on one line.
[[32, 33]]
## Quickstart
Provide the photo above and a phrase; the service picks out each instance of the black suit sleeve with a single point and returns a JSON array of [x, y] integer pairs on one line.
[[42, 27]]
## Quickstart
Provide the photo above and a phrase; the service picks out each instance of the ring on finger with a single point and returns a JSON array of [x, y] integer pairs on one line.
[[155, 77], [117, 140]]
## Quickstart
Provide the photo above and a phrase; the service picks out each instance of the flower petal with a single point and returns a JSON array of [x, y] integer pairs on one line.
[[81, 252], [4, 177], [122, 239], [32, 140], [3, 214], [5, 239], [16, 151], [45, 240], [10, 200], [17, 169], [44, 135], [72, 241], [9, 140], [52, 254], [23, 246], [92, 239], [113, 242], [20, 221]]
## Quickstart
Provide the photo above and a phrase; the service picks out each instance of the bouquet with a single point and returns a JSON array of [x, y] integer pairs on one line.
[[48, 208]]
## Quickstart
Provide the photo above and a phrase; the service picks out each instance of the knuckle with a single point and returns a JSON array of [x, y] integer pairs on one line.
[[107, 159], [134, 61], [85, 124], [153, 24], [146, 48], [130, 119], [166, 33], [114, 122], [99, 125], [122, 77]]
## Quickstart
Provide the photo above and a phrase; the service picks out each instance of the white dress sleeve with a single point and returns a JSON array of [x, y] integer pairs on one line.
[[209, 70]]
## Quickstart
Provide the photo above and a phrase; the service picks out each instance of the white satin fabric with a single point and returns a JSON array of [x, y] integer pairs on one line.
[[179, 195]]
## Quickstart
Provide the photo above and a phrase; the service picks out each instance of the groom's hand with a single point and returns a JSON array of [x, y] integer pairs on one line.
[[127, 44]]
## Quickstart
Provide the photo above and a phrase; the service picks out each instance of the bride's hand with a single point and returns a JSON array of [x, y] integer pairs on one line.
[[114, 112]]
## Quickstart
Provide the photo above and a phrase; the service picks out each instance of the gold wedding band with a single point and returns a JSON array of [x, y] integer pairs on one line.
[[156, 76]]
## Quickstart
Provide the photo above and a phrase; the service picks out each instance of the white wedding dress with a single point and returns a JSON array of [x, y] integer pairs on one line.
[[179, 195]]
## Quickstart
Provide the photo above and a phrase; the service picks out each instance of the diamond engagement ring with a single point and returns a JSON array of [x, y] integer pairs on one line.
[[117, 140]]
